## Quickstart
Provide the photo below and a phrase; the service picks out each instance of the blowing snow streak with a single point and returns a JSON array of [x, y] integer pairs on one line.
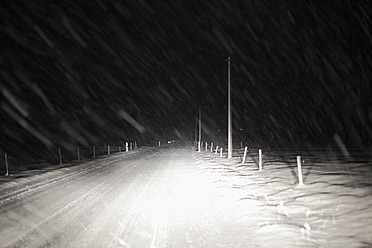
[[131, 121]]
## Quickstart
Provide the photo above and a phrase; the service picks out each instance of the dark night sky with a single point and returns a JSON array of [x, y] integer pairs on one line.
[[73, 71]]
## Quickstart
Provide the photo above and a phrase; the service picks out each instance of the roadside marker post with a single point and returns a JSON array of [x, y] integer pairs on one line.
[[206, 146], [108, 149], [260, 160], [6, 165], [299, 168], [221, 152], [126, 146], [212, 147], [216, 150], [60, 156], [245, 154]]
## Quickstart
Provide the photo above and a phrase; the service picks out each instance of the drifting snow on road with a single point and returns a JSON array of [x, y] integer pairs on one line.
[[175, 197]]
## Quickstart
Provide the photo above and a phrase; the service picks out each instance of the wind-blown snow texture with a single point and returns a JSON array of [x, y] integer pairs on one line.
[[176, 197], [332, 209], [76, 73]]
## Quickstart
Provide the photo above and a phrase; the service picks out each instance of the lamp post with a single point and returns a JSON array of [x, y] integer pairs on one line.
[[200, 131], [229, 113]]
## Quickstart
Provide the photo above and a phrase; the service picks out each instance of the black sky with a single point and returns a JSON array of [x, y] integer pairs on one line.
[[70, 69]]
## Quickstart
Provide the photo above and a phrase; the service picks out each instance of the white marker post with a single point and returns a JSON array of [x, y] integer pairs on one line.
[[206, 146], [212, 147], [135, 144], [60, 156], [94, 151], [130, 146], [221, 152], [119, 149], [260, 160], [108, 149], [126, 146], [245, 154], [6, 165], [216, 150], [299, 168]]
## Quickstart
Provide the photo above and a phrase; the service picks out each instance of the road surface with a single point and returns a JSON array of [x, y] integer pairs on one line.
[[176, 197], [152, 198]]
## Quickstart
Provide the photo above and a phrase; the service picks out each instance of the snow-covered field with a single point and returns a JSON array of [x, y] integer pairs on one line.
[[332, 209], [177, 197]]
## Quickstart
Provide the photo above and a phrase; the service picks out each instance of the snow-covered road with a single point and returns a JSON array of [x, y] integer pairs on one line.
[[176, 197], [153, 198], [100, 204]]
